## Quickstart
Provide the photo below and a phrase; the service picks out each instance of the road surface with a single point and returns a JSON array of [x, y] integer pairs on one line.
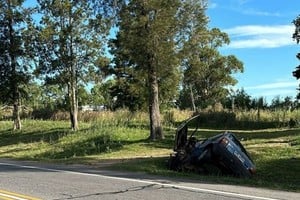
[[32, 180]]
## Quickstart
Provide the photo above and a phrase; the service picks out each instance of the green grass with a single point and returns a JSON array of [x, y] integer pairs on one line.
[[276, 152]]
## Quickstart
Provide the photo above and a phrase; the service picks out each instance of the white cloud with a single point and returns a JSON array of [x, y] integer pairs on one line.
[[260, 13], [256, 36], [249, 30], [277, 85]]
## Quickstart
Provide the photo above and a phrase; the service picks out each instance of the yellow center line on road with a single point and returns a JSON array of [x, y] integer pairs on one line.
[[4, 198], [6, 195]]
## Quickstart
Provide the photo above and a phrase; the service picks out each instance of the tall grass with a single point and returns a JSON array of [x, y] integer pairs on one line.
[[123, 117], [267, 115], [252, 119]]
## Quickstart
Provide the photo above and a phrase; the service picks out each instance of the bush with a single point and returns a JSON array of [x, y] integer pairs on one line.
[[247, 119], [217, 119], [43, 113]]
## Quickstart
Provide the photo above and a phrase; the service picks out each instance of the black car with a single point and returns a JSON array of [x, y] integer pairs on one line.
[[224, 152]]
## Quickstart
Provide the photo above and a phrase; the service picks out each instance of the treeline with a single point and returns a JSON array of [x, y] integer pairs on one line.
[[140, 55], [100, 97]]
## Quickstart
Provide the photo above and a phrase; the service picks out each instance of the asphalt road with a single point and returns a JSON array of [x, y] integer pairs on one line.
[[58, 182]]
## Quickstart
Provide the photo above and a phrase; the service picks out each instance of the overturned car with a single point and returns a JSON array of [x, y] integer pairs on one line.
[[222, 153]]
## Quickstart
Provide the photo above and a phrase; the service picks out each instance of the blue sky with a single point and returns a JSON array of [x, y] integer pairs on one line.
[[261, 37]]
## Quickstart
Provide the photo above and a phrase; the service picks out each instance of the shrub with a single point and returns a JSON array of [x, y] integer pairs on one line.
[[217, 119], [43, 113]]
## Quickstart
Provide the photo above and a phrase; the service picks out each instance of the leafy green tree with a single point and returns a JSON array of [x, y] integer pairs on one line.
[[242, 100], [50, 97], [259, 103], [276, 102], [296, 36], [186, 99], [34, 96], [83, 96], [288, 103], [72, 37], [100, 94], [279, 103], [15, 59], [147, 34], [129, 88], [239, 99], [206, 71], [54, 97]]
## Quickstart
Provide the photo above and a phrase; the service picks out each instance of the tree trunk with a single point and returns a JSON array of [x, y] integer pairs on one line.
[[74, 109], [16, 99], [192, 99], [156, 131], [232, 104], [73, 100], [13, 80], [73, 84], [16, 113]]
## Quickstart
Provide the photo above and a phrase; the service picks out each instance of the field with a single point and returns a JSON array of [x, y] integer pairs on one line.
[[123, 141]]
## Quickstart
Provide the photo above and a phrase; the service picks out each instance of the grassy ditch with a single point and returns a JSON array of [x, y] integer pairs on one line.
[[276, 152]]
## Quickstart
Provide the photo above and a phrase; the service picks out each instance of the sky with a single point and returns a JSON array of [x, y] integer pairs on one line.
[[261, 37]]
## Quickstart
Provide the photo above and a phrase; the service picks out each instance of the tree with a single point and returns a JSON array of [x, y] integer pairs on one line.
[[242, 100], [15, 59], [276, 103], [258, 104], [296, 36], [72, 37], [279, 103], [34, 95], [206, 71], [54, 98], [83, 96], [100, 94], [147, 34], [129, 88]]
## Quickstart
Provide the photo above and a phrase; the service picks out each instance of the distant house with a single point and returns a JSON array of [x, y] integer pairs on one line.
[[86, 108], [92, 108]]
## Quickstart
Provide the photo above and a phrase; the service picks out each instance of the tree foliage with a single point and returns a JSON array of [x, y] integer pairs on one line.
[[155, 38], [206, 71], [147, 36], [15, 55], [100, 95], [242, 100], [296, 36], [72, 42], [129, 88]]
